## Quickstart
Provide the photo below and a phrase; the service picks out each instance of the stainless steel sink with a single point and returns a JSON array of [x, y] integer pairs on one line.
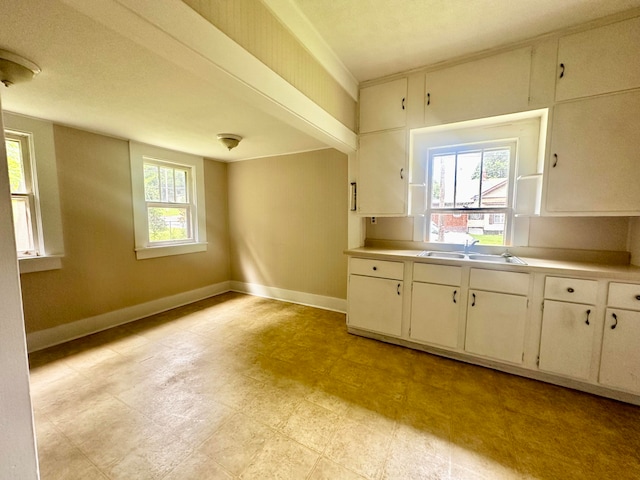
[[433, 254], [477, 257]]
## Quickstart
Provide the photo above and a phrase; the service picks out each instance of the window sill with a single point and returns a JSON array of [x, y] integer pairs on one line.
[[40, 264], [167, 250]]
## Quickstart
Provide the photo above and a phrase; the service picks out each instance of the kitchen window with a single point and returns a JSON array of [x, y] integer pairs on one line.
[[168, 196], [470, 188]]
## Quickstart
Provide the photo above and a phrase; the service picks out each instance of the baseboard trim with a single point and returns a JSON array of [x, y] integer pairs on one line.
[[291, 296], [70, 331]]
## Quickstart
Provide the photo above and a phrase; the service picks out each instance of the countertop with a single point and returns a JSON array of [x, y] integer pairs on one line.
[[541, 265]]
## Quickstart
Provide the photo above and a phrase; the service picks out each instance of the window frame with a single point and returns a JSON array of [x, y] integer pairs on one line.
[[144, 248], [48, 234], [507, 210]]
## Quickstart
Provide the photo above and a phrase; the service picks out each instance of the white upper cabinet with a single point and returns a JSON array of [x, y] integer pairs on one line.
[[384, 106], [491, 86], [593, 165], [382, 185], [599, 61]]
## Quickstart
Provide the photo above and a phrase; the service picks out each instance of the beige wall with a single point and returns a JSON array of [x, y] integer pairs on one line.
[[100, 272], [250, 24], [288, 222]]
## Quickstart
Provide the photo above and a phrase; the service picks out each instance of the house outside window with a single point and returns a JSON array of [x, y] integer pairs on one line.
[[168, 201], [470, 190]]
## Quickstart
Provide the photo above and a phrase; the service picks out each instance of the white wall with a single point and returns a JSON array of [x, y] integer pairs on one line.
[[17, 440]]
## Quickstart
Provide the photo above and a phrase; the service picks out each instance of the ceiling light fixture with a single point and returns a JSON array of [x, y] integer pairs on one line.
[[16, 69], [229, 140]]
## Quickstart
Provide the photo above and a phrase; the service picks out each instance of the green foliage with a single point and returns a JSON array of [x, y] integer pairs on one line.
[[14, 159], [495, 164]]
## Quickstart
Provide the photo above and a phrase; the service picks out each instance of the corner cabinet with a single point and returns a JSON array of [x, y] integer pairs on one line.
[[375, 295], [593, 162], [383, 175]]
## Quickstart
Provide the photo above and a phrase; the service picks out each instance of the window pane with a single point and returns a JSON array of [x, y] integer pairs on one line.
[[443, 181], [495, 177], [167, 192], [166, 224], [468, 179], [22, 224], [151, 183], [16, 168], [181, 186], [487, 228]]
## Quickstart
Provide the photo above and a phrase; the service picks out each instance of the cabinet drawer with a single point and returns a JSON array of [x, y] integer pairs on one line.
[[504, 282], [571, 290], [376, 268], [624, 295], [440, 274]]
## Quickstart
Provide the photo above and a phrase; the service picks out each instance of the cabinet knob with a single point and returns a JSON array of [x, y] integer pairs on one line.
[[375, 268], [637, 297], [570, 290]]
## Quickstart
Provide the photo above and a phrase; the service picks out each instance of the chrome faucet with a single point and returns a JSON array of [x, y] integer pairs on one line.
[[468, 246]]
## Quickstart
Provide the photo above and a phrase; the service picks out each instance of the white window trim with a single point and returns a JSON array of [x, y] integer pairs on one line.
[[530, 128], [507, 211], [138, 153], [46, 192]]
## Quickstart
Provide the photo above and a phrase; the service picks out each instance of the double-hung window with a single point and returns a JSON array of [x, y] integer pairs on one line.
[[35, 198], [23, 201], [168, 195], [470, 188], [168, 201]]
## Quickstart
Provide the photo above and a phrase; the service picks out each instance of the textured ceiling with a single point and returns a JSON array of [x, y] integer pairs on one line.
[[374, 38]]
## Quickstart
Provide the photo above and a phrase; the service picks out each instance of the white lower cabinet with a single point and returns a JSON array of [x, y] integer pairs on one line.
[[620, 362], [566, 342], [434, 314], [375, 302], [496, 325], [435, 304]]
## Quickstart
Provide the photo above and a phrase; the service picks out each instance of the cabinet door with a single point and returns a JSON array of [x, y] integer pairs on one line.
[[382, 182], [620, 361], [566, 343], [594, 156], [383, 107], [495, 325], [599, 61], [495, 85], [375, 304], [434, 314]]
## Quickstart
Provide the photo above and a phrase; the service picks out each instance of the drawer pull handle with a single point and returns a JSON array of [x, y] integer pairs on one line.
[[403, 103], [570, 290], [375, 268], [473, 304], [637, 297], [561, 70], [454, 296], [428, 99], [555, 160], [398, 289], [588, 313], [615, 317]]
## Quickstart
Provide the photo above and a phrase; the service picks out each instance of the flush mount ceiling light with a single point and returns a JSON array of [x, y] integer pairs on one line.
[[16, 69], [229, 140]]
